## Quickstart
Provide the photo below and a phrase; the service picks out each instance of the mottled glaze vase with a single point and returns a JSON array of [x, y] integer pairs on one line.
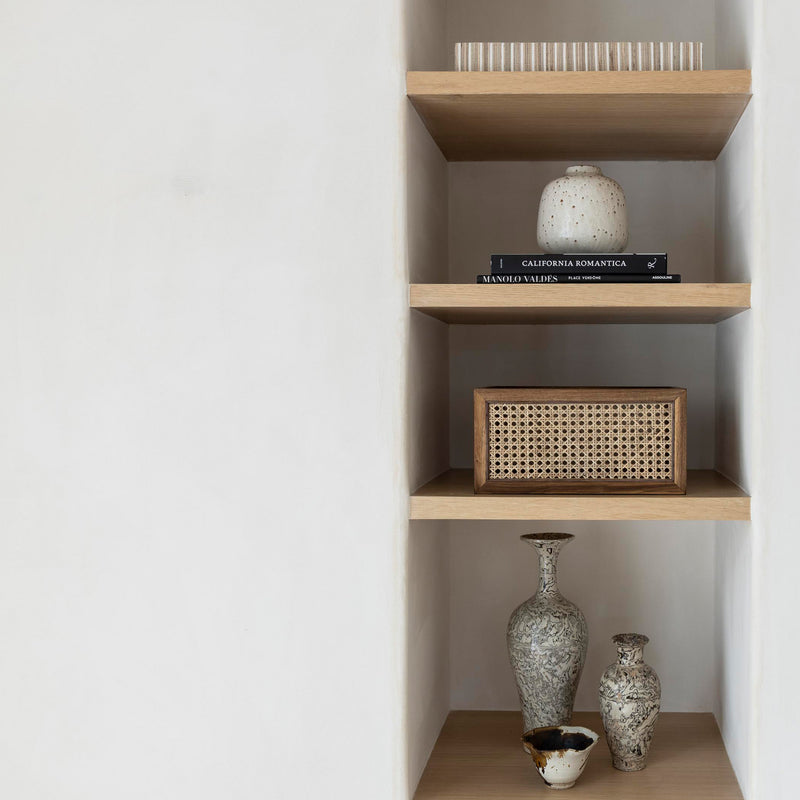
[[630, 699], [547, 639], [582, 212]]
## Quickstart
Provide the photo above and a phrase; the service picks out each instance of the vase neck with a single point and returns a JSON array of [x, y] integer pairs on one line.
[[548, 546], [583, 169], [630, 656], [630, 648], [548, 567]]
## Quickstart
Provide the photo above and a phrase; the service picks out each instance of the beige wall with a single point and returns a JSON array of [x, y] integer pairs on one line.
[[738, 258], [581, 20], [494, 208], [575, 355], [654, 578], [201, 561], [427, 623], [777, 332]]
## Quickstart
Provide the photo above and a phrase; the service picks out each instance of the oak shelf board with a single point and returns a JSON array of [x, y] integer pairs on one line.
[[709, 496], [522, 116], [629, 303], [479, 756]]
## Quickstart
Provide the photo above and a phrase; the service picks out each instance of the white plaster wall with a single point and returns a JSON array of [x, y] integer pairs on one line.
[[428, 640], [584, 355], [581, 20], [427, 599], [777, 708], [738, 258], [737, 419], [737, 28], [655, 577], [427, 570], [494, 208], [202, 281]]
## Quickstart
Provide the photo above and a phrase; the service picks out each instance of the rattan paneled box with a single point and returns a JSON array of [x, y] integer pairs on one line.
[[580, 441]]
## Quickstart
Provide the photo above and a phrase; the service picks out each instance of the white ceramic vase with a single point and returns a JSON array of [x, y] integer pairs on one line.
[[630, 699], [583, 212]]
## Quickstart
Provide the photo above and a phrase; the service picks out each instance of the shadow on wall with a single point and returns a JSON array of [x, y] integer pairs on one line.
[[626, 577], [494, 209], [584, 355]]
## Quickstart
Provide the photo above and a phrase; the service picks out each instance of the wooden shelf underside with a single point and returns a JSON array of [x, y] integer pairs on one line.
[[520, 116], [709, 496], [471, 304], [479, 757]]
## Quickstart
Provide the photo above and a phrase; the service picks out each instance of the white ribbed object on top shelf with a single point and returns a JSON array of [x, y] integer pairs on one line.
[[577, 56]]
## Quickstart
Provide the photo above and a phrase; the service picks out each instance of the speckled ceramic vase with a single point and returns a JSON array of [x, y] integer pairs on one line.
[[547, 638], [630, 699], [583, 212]]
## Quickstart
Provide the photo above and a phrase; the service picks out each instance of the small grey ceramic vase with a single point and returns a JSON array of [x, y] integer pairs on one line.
[[547, 639], [582, 212], [630, 699]]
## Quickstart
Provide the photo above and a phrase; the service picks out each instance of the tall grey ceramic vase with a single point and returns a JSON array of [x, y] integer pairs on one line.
[[630, 699], [547, 638]]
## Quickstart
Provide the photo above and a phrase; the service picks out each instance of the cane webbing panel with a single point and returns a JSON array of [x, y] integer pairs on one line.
[[581, 441]]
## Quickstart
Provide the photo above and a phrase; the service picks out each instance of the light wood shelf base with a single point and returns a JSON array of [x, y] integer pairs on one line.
[[520, 116], [479, 756], [709, 496], [471, 304]]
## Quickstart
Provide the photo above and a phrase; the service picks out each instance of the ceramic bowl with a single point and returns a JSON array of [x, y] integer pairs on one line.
[[560, 752]]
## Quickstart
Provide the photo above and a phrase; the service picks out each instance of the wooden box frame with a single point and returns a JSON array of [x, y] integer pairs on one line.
[[577, 395]]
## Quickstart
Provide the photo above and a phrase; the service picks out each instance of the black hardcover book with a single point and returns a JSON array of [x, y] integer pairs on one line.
[[575, 263], [626, 277]]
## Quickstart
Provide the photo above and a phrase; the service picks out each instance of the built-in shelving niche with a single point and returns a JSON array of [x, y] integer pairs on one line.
[[468, 117]]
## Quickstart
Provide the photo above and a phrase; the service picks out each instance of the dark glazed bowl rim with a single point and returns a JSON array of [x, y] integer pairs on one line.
[[588, 732]]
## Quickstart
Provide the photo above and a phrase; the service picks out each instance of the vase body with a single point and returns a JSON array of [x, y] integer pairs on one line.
[[547, 639], [630, 699], [582, 212]]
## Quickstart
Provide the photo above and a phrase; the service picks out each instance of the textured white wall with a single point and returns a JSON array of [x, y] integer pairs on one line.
[[202, 279], [427, 583], [738, 258], [737, 422], [654, 578], [777, 708], [494, 208], [581, 355], [581, 20]]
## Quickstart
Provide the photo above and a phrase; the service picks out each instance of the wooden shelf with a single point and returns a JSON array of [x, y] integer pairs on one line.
[[709, 496], [479, 756], [521, 116], [471, 304]]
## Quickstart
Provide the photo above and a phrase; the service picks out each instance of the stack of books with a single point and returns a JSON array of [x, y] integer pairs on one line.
[[578, 56], [579, 268]]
